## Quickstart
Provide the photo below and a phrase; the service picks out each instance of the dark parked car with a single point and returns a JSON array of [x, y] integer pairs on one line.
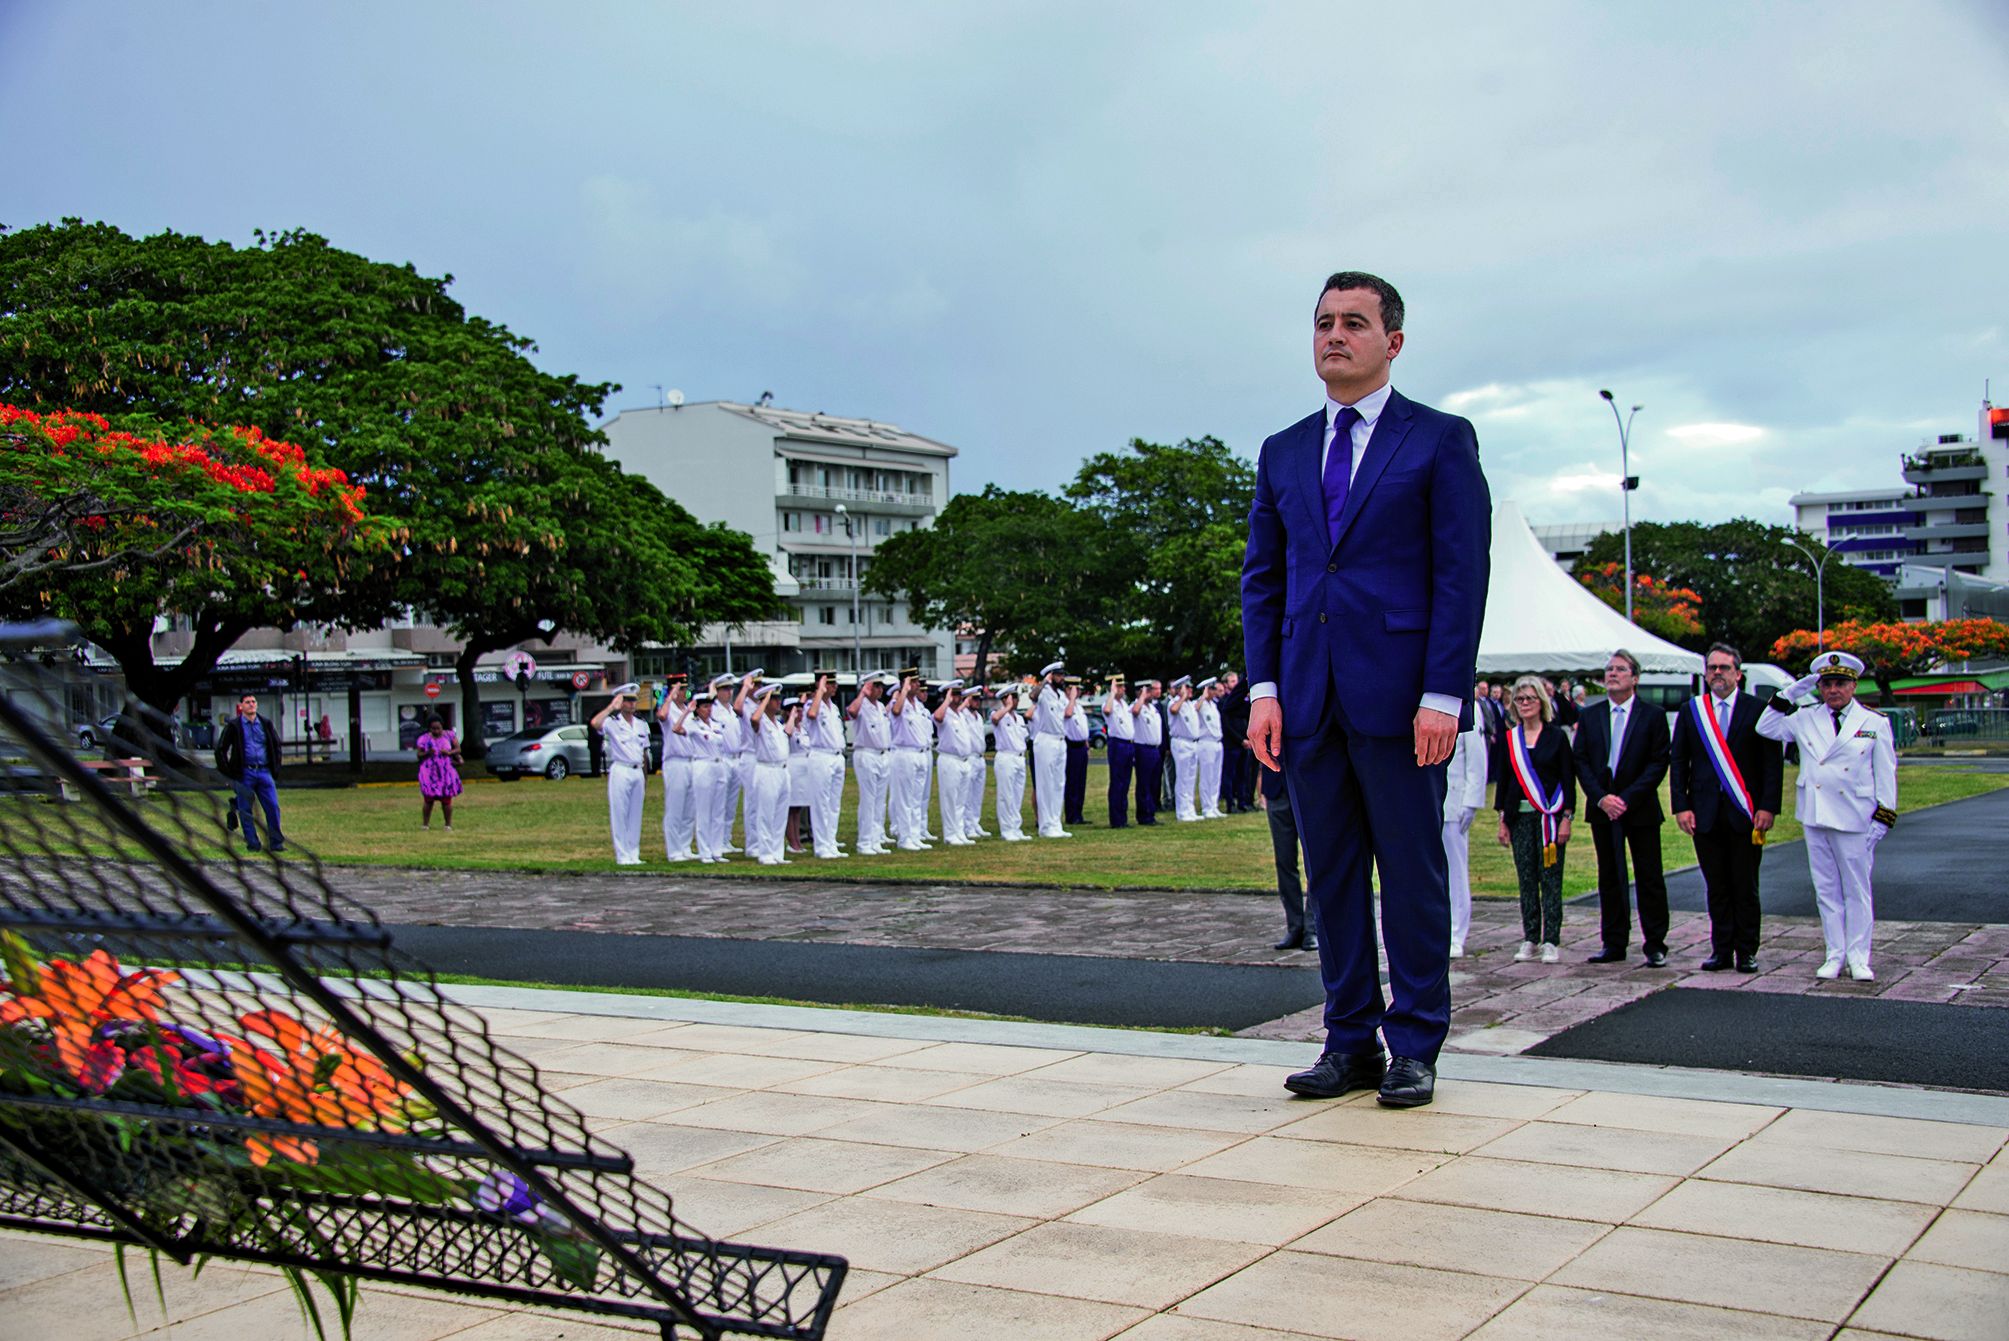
[[1956, 724], [556, 752]]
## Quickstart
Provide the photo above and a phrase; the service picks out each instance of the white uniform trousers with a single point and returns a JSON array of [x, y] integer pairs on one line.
[[826, 767], [679, 809], [735, 784], [1210, 779], [626, 786], [767, 813], [1185, 776], [910, 798], [1049, 761], [1840, 861], [921, 830], [1011, 796], [875, 770], [708, 788], [1458, 863], [742, 781], [973, 802], [955, 794]]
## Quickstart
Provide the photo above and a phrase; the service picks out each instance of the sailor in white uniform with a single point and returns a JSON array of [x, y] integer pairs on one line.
[[911, 762], [1464, 797], [973, 775], [952, 763], [1008, 725], [626, 738], [696, 728], [823, 728], [767, 800], [871, 759], [1054, 704], [1846, 800], [679, 793], [731, 732], [1185, 748], [1210, 747], [742, 770]]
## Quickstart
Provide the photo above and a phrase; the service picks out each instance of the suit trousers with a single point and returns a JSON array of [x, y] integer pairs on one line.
[[1361, 804], [1074, 790], [1148, 762], [1614, 898], [1290, 889], [875, 770], [1121, 754], [679, 809], [1729, 862]]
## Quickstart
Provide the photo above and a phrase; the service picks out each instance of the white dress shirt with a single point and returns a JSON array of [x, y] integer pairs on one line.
[[1117, 720], [874, 731], [627, 740]]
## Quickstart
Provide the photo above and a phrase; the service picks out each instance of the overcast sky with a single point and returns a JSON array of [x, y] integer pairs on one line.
[[1036, 231]]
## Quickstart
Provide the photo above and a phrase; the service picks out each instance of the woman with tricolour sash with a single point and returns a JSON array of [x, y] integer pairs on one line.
[[1536, 796]]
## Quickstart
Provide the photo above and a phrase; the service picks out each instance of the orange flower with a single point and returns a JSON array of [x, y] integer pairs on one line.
[[78, 999], [316, 1078]]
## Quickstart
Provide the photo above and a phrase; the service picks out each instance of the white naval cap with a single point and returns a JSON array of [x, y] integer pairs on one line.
[[718, 680], [1210, 681], [1001, 690], [790, 702], [1183, 679], [767, 689], [1052, 668], [882, 677], [1838, 664], [628, 690], [952, 684]]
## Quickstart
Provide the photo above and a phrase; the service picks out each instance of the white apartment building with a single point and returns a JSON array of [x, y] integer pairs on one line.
[[818, 493]]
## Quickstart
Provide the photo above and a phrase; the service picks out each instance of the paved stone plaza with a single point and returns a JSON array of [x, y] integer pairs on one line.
[[1045, 1182], [1498, 1006]]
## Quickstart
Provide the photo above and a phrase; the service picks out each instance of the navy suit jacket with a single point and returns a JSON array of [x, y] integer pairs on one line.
[[1392, 611], [1642, 761], [1691, 778]]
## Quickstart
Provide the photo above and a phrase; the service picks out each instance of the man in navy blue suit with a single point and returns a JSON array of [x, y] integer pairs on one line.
[[1363, 590]]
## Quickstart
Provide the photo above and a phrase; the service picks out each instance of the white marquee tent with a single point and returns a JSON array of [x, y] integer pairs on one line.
[[1540, 619]]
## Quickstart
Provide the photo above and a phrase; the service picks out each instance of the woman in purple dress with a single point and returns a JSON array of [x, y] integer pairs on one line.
[[439, 776]]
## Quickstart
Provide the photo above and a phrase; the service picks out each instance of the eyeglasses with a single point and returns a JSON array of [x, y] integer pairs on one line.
[[1526, 698], [1720, 667]]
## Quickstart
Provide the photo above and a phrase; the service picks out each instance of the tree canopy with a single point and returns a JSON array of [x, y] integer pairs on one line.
[[502, 516], [1892, 650], [1662, 609], [1752, 587]]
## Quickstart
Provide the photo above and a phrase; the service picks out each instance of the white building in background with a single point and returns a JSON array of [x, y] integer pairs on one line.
[[1567, 542], [818, 493], [1865, 527]]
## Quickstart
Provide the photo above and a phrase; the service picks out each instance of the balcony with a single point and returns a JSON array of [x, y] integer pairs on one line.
[[1925, 535], [1938, 470], [1943, 502], [843, 584], [876, 500]]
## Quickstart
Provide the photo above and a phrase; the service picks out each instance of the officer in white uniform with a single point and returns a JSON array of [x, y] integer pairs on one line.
[[872, 760], [767, 799], [1464, 796], [1050, 711], [952, 765], [973, 774], [911, 762], [823, 728], [626, 738], [927, 725], [1008, 725], [679, 794], [742, 769], [1846, 802], [697, 728], [1211, 748], [1185, 748], [731, 732]]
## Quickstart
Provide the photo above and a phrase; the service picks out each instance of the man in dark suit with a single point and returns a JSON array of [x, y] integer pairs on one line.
[[1495, 723], [1725, 781], [1237, 779], [1621, 756], [1363, 588], [247, 752]]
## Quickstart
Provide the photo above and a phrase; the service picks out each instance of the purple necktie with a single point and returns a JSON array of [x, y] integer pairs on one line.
[[1339, 471]]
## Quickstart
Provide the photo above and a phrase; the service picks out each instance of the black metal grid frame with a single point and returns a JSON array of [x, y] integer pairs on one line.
[[351, 1182]]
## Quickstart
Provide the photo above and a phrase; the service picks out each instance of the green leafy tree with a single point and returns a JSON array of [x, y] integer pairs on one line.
[[1753, 588], [1015, 569], [1173, 522], [484, 467]]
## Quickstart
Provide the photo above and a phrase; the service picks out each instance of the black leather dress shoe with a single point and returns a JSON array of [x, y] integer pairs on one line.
[[1338, 1072], [1606, 957], [1290, 943], [1310, 941], [1408, 1084], [1747, 963], [1656, 959], [1716, 963]]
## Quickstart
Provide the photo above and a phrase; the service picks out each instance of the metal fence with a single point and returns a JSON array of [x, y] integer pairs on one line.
[[210, 1052], [1960, 726]]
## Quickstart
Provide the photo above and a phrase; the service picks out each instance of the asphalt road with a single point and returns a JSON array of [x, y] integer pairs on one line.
[[1068, 989], [1944, 864], [1848, 1038]]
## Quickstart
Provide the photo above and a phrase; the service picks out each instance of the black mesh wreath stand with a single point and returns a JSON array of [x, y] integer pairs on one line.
[[212, 1052]]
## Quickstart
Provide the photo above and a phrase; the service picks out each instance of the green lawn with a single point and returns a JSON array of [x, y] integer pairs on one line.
[[563, 827]]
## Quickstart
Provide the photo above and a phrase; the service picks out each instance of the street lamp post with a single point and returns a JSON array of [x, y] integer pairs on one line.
[[1627, 482], [857, 649], [1820, 598]]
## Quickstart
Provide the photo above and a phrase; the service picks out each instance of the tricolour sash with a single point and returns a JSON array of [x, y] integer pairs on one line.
[[1550, 805], [1728, 776]]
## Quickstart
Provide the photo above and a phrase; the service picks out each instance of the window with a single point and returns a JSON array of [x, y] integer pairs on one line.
[[827, 614], [882, 526], [791, 521]]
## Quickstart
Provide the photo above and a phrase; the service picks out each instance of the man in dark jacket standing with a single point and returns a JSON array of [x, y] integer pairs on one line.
[[247, 752], [1725, 784], [1621, 756], [1238, 776]]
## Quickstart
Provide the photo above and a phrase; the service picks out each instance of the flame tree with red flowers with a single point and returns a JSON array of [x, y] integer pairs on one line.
[[1661, 608], [1892, 651], [503, 521]]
